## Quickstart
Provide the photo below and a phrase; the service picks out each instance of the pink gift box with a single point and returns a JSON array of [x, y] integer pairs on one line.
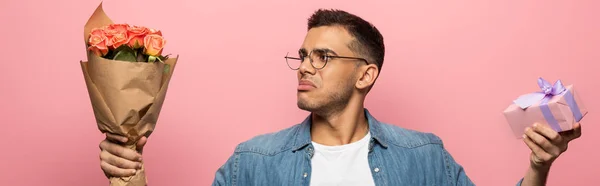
[[560, 111]]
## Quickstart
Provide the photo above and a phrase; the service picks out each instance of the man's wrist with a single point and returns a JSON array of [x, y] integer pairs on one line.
[[536, 175], [540, 169]]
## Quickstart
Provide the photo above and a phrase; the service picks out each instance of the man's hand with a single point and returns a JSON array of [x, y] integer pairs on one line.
[[117, 160], [546, 145]]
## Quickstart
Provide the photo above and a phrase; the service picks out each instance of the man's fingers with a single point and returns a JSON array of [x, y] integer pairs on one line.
[[140, 144], [116, 138], [542, 142], [120, 151], [113, 171], [537, 151], [547, 132], [574, 133], [118, 161]]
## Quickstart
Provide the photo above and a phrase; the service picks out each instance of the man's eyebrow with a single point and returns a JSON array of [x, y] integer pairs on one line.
[[302, 51], [325, 50]]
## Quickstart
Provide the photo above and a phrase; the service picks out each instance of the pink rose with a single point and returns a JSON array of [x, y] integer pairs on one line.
[[153, 44]]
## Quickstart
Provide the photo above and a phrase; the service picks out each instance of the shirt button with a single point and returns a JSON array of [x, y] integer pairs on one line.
[[376, 169], [305, 174]]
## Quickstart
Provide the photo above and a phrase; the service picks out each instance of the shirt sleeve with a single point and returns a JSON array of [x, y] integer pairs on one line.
[[227, 173], [455, 173], [520, 182]]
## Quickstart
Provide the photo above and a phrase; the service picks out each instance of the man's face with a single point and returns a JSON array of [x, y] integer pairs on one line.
[[330, 88]]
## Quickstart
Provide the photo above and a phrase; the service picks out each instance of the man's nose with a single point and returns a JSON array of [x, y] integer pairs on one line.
[[306, 66]]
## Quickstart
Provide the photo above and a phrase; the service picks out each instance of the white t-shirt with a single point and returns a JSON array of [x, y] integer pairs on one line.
[[345, 165]]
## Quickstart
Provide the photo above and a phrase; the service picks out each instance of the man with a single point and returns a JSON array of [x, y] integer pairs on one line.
[[340, 142]]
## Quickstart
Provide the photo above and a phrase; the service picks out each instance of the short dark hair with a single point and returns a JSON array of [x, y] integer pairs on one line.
[[368, 43]]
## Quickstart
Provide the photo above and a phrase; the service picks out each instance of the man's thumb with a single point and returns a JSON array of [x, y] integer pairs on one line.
[[141, 143]]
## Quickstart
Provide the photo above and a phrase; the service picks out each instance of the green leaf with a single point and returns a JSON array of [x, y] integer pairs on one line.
[[125, 53], [125, 56], [124, 47], [167, 68]]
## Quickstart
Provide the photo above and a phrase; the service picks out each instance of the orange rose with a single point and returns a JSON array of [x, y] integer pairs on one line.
[[118, 39], [153, 44], [115, 29], [136, 36], [154, 31], [97, 42]]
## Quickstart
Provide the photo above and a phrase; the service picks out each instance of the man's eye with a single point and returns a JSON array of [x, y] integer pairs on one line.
[[324, 58], [319, 55]]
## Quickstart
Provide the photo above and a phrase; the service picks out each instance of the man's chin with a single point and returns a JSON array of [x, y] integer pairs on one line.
[[305, 106]]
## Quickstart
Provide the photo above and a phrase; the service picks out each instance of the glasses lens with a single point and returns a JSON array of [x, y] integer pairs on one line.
[[319, 59], [293, 62]]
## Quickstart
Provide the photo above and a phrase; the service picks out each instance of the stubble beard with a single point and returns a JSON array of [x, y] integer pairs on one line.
[[336, 102]]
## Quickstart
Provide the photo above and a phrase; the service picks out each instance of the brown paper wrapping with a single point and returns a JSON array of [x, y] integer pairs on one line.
[[126, 96]]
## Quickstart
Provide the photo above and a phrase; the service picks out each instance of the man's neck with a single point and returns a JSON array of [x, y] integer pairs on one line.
[[343, 127]]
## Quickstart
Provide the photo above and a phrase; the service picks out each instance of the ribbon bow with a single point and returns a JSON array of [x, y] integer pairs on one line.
[[548, 91]]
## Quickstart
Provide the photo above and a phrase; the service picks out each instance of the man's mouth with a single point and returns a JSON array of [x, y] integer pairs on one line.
[[305, 85]]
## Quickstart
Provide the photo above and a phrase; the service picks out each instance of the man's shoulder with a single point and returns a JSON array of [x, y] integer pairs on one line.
[[270, 143], [408, 138]]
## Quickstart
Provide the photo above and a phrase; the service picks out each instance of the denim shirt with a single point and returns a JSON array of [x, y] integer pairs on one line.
[[397, 156]]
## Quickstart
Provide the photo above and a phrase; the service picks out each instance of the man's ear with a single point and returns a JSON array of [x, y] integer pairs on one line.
[[368, 75]]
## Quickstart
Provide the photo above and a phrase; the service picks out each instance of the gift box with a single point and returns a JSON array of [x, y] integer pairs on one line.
[[556, 105]]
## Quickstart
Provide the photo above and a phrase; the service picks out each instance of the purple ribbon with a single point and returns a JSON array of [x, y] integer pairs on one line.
[[549, 91]]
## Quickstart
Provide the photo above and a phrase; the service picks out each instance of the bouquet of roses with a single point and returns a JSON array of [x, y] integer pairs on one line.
[[127, 79], [127, 43]]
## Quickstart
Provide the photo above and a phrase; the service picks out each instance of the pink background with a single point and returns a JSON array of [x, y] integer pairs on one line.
[[451, 68]]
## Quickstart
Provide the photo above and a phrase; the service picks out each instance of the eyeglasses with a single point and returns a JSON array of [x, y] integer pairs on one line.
[[318, 58]]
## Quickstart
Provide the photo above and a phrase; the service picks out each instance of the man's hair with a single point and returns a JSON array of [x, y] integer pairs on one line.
[[368, 41]]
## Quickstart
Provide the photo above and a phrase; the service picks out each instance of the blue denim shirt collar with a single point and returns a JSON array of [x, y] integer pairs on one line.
[[302, 135]]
